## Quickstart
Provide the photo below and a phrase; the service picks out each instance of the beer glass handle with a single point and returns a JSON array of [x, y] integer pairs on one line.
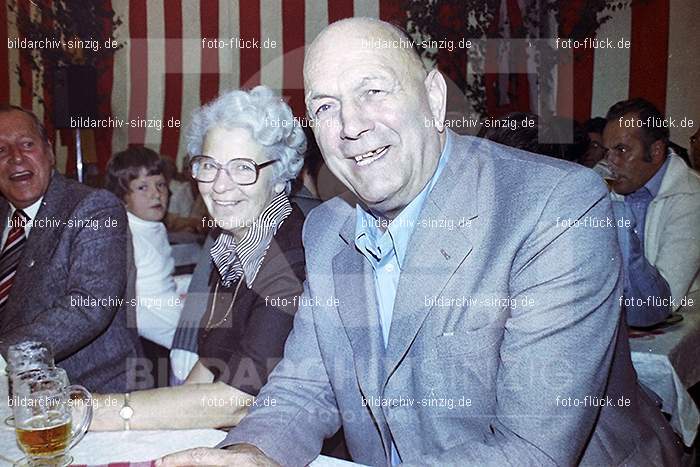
[[81, 428]]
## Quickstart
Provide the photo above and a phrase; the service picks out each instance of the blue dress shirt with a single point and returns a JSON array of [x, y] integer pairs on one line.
[[385, 249], [642, 282]]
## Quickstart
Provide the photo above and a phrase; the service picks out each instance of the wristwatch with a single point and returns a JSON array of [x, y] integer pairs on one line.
[[126, 412]]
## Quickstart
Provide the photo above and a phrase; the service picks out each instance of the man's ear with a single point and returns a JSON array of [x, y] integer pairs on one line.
[[436, 87], [279, 188], [48, 150], [658, 151]]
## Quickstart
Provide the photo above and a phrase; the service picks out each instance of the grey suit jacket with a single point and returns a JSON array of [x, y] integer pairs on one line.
[[506, 336], [69, 289]]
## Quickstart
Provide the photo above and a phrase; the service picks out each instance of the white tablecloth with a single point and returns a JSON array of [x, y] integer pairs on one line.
[[669, 364], [122, 446]]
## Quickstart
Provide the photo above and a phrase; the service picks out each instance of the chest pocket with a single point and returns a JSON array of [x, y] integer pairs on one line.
[[465, 331], [467, 342]]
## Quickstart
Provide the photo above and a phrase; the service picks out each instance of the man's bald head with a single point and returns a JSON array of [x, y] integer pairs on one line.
[[358, 34]]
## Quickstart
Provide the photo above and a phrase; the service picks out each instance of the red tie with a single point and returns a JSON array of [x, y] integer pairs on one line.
[[11, 253]]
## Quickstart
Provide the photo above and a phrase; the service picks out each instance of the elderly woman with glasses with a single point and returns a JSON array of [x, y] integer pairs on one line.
[[245, 150]]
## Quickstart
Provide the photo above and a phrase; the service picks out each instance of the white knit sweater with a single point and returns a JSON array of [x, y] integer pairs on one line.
[[158, 304]]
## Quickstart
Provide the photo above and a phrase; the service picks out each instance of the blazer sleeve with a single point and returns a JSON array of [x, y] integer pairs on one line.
[[96, 280], [561, 347]]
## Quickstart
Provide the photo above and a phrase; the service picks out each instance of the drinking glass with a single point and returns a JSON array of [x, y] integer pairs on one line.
[[27, 355], [610, 181], [45, 425]]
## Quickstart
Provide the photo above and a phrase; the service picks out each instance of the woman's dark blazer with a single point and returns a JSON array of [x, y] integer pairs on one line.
[[245, 348]]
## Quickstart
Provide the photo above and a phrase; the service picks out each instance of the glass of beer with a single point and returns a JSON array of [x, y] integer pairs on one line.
[[604, 169], [610, 181], [46, 421], [27, 355]]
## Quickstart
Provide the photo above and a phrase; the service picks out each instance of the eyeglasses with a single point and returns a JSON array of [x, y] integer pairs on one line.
[[242, 171]]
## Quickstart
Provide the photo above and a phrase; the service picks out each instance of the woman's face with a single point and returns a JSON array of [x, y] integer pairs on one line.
[[234, 207]]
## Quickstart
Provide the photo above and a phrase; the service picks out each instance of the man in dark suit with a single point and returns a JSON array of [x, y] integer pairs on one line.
[[465, 311], [63, 262]]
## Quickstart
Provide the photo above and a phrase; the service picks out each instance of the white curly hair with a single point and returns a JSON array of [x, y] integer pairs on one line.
[[269, 119]]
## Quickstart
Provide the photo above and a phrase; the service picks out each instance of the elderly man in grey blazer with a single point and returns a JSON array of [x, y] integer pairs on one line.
[[63, 265], [465, 311]]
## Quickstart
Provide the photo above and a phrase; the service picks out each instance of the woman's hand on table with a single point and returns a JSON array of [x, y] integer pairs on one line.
[[198, 404], [239, 455], [105, 414]]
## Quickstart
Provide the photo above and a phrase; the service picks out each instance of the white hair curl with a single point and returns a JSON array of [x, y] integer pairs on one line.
[[269, 119]]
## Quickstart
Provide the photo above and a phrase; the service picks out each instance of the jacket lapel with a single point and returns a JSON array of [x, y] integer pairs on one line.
[[43, 240], [434, 252], [355, 290], [39, 246], [357, 307], [4, 211]]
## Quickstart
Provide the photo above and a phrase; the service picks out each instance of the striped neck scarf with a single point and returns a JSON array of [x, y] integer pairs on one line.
[[234, 259]]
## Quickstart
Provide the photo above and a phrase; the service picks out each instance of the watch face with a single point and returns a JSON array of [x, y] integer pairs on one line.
[[126, 412]]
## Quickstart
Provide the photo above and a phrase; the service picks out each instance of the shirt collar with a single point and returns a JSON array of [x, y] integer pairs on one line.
[[144, 224], [371, 240], [31, 211], [233, 259], [654, 183]]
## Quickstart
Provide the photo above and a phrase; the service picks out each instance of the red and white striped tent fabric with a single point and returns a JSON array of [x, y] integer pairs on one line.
[[165, 70]]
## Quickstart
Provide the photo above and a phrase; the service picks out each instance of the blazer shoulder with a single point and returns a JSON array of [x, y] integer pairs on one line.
[[326, 220], [75, 195], [99, 197], [519, 172], [504, 156], [680, 179]]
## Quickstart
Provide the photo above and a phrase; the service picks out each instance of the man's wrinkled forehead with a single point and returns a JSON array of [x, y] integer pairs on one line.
[[624, 128], [359, 37], [19, 123]]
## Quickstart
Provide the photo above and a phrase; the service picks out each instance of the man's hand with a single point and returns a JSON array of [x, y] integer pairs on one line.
[[239, 455]]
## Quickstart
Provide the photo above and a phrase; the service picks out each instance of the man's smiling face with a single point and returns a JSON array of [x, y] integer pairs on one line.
[[373, 110], [26, 161]]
